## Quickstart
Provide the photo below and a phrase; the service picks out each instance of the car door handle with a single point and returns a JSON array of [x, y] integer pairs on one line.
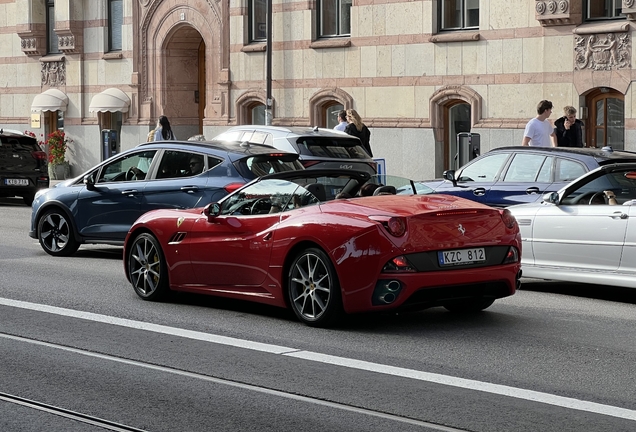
[[532, 190], [479, 192], [129, 192], [190, 189], [619, 215]]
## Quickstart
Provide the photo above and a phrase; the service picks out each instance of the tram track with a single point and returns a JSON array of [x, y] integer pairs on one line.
[[69, 414], [113, 426]]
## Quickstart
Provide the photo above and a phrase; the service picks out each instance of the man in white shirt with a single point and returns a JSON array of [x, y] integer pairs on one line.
[[342, 118], [540, 131]]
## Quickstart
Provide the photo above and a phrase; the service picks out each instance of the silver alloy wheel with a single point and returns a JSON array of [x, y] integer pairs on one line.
[[56, 234], [145, 266], [310, 286]]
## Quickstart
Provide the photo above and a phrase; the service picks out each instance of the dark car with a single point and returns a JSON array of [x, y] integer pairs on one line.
[[518, 175], [317, 148], [23, 166], [101, 205]]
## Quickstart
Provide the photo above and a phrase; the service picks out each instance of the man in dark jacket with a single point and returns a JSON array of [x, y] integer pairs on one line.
[[568, 129]]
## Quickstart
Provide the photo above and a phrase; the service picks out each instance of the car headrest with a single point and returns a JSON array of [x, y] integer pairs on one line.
[[317, 190], [385, 190]]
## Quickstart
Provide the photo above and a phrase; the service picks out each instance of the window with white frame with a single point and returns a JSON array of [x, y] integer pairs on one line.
[[334, 18], [257, 12], [115, 23], [459, 14], [52, 46], [603, 9]]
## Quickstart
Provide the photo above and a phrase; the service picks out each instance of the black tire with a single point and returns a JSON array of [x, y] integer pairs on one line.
[[314, 290], [475, 305], [55, 233], [146, 267]]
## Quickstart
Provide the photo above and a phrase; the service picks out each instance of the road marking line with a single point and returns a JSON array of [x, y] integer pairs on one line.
[[498, 389]]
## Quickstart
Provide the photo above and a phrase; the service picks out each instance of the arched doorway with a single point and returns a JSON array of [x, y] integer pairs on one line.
[[605, 123], [184, 81], [456, 119]]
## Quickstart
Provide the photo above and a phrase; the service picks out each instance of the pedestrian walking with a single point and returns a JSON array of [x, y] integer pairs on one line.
[[342, 121], [539, 131], [358, 129], [568, 129], [163, 131]]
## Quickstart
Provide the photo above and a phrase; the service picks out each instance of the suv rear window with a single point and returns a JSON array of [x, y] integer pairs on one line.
[[19, 143], [339, 148], [257, 166]]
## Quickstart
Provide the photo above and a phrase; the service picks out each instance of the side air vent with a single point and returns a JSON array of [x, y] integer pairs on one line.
[[177, 238]]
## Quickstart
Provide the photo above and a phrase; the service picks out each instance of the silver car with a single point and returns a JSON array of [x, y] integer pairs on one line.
[[585, 232]]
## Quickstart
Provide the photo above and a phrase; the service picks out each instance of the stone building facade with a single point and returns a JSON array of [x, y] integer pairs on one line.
[[418, 72]]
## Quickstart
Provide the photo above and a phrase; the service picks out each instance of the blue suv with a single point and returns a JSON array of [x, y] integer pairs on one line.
[[518, 175], [101, 205]]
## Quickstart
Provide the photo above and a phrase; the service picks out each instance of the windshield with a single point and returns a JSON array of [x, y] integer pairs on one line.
[[402, 185]]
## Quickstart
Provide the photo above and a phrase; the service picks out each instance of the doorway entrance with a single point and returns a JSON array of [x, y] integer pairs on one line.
[[456, 120], [605, 125], [184, 87]]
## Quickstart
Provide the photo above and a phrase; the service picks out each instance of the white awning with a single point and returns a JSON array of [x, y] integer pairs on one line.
[[111, 99], [50, 100]]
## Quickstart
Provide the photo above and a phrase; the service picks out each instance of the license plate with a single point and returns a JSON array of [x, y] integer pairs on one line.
[[461, 256], [16, 182]]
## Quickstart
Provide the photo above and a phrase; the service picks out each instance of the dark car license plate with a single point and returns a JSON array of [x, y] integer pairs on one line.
[[16, 182], [461, 256]]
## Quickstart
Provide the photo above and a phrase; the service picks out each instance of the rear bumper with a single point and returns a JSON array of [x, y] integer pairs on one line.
[[428, 289]]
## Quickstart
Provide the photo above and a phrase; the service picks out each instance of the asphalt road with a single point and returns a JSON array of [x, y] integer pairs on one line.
[[79, 351]]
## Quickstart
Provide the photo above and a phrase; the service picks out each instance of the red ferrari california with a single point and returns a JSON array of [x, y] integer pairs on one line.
[[308, 240]]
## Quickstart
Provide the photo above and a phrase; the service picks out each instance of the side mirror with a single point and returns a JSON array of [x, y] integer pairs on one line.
[[89, 182], [450, 176], [552, 198], [212, 210]]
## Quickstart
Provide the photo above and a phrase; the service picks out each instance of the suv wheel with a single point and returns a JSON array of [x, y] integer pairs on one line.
[[56, 234]]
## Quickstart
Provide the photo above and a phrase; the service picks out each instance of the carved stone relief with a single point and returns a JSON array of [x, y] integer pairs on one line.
[[629, 9], [66, 44], [54, 73], [553, 12], [33, 43], [609, 52]]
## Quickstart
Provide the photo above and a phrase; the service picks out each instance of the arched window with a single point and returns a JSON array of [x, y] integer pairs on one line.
[[325, 104], [250, 108]]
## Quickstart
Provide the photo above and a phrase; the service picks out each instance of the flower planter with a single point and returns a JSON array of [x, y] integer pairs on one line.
[[59, 171]]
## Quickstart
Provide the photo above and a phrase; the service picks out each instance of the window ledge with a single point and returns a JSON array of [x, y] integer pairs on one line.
[[331, 43], [52, 58], [112, 55], [255, 47], [456, 37], [604, 27]]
